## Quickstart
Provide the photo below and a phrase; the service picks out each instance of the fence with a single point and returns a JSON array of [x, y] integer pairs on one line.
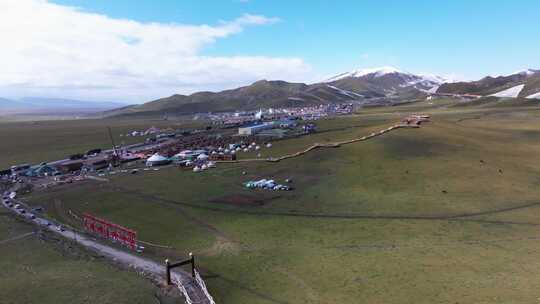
[[202, 285], [204, 297]]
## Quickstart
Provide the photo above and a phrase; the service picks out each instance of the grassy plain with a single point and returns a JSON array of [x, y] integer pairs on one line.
[[447, 213], [38, 141]]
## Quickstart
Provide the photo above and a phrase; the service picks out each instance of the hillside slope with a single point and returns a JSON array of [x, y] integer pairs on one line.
[[261, 94], [382, 85], [494, 85]]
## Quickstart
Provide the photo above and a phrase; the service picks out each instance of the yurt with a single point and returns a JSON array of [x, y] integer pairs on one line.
[[202, 157], [157, 160]]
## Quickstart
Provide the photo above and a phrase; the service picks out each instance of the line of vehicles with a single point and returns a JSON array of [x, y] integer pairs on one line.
[[9, 202], [28, 213]]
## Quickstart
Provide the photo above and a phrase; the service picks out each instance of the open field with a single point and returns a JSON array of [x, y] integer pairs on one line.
[[39, 268], [38, 141], [447, 213]]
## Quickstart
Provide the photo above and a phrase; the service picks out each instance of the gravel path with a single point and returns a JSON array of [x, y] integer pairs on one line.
[[140, 264]]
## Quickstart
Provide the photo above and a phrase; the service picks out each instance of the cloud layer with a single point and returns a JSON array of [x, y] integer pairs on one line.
[[53, 50]]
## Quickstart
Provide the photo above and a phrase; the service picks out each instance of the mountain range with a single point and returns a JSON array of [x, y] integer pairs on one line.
[[381, 86], [29, 105]]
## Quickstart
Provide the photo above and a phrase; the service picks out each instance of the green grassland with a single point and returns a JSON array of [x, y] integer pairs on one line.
[[447, 213], [38, 141], [37, 271]]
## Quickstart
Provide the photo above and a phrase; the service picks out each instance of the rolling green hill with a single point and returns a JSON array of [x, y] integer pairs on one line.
[[371, 86], [261, 94], [384, 85]]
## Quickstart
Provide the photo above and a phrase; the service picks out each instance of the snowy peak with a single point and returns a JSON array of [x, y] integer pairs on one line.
[[374, 72], [527, 72], [386, 81], [407, 77]]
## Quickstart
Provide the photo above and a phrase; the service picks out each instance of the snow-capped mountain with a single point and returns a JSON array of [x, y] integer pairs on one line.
[[528, 72], [376, 72], [386, 82], [377, 86], [405, 78]]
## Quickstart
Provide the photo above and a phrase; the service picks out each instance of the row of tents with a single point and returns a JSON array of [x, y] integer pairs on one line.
[[268, 184], [185, 156]]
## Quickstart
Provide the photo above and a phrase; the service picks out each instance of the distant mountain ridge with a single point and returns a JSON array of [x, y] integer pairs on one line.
[[524, 84], [39, 105], [261, 94], [384, 84], [378, 86]]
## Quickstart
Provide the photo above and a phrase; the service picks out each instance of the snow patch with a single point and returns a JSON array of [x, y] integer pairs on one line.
[[534, 96], [344, 92], [527, 72], [512, 92]]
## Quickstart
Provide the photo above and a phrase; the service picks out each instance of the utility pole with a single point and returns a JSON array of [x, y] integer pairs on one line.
[[116, 156]]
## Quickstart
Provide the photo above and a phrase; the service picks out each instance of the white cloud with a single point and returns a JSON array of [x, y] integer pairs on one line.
[[54, 50]]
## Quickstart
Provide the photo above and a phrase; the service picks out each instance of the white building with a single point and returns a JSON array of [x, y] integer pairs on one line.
[[252, 130]]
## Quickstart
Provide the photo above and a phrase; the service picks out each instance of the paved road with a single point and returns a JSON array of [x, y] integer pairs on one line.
[[125, 258]]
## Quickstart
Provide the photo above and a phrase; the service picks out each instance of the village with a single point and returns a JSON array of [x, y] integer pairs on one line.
[[195, 150], [227, 135]]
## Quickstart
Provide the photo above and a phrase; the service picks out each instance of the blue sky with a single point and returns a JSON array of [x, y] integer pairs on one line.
[[462, 37], [135, 51]]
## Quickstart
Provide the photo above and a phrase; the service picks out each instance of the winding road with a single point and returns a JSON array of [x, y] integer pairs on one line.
[[138, 263]]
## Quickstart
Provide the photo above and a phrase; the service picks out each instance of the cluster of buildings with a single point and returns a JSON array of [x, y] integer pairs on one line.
[[268, 128], [150, 131], [236, 119], [188, 148]]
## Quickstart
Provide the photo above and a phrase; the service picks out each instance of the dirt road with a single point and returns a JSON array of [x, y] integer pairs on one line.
[[140, 264]]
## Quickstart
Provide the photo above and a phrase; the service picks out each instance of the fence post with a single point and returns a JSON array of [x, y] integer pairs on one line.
[[192, 264], [167, 265]]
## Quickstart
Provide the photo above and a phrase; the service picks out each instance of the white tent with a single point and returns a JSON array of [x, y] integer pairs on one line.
[[157, 160]]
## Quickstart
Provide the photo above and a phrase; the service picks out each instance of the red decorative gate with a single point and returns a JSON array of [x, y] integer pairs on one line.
[[110, 230]]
